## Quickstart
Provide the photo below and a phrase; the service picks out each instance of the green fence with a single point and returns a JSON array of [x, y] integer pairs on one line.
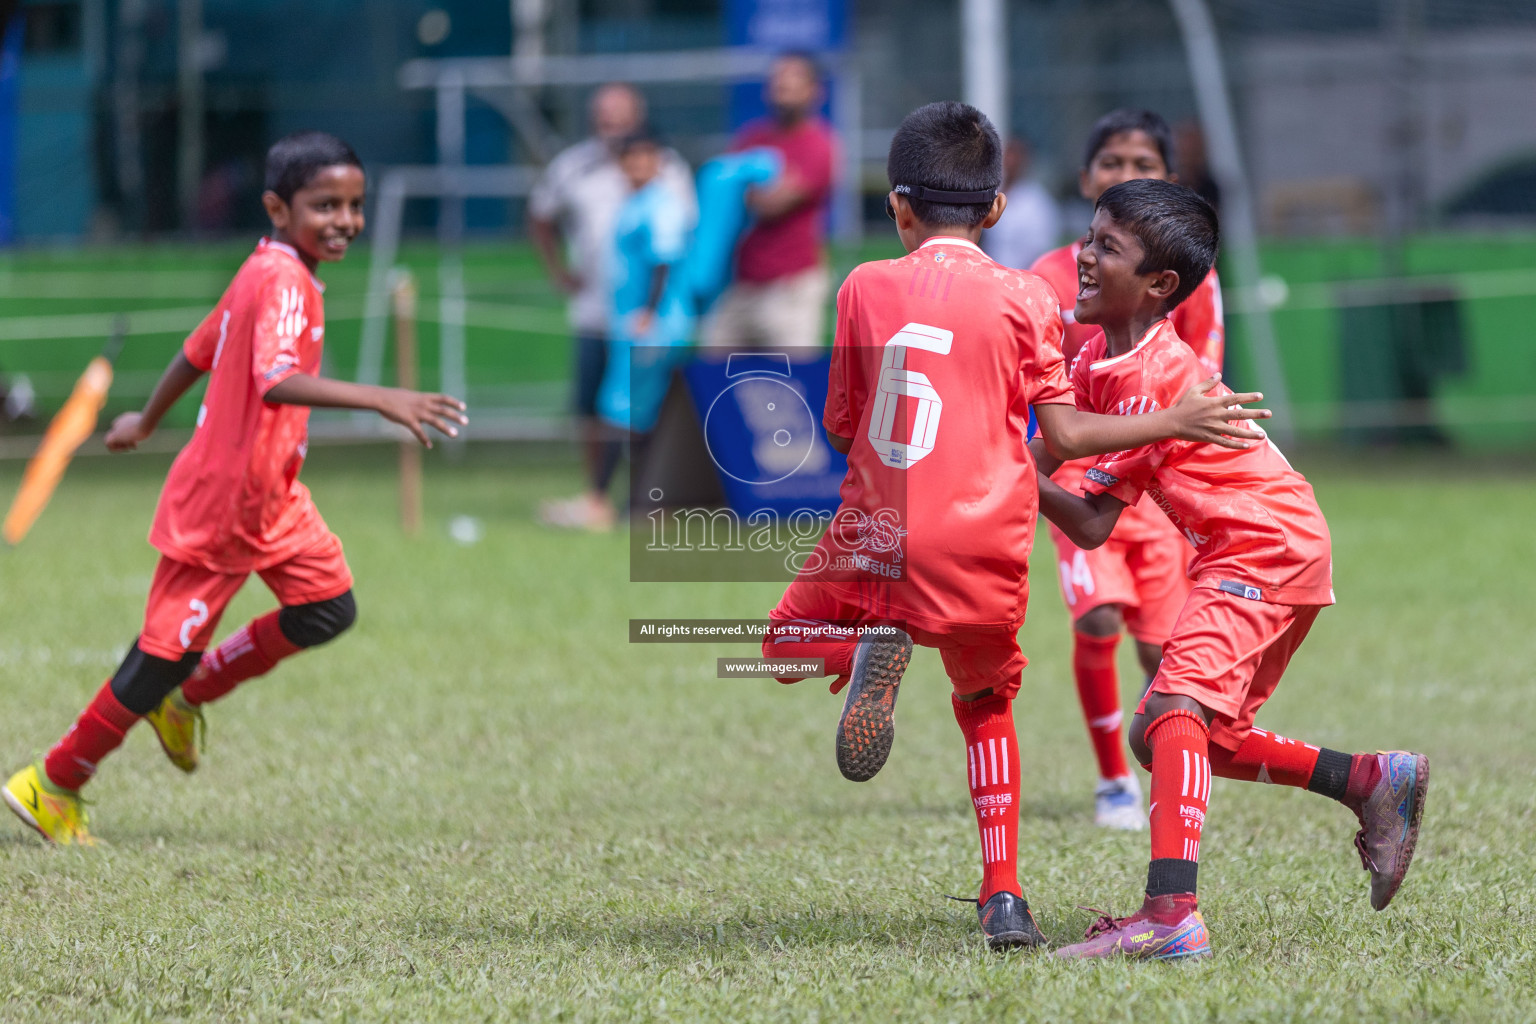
[[1358, 350]]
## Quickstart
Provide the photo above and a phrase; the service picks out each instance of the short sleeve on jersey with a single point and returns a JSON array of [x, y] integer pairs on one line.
[[1125, 475], [279, 334], [1051, 384], [202, 346]]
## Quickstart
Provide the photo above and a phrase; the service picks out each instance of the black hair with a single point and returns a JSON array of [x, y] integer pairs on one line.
[[949, 146], [1177, 229], [293, 160], [1123, 122]]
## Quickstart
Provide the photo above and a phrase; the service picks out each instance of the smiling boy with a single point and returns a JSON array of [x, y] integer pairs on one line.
[[1135, 582], [1262, 571], [232, 503]]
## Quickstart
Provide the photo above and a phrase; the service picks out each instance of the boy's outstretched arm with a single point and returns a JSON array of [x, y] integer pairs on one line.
[[413, 410], [131, 428], [1071, 433], [1087, 522]]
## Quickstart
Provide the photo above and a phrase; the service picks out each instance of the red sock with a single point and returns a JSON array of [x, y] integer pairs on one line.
[[96, 733], [248, 652], [1098, 688], [805, 638], [1181, 791], [1266, 757], [992, 761]]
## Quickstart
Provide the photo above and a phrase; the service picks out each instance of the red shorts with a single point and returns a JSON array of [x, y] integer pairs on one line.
[[1228, 653], [1145, 578], [974, 660], [186, 601]]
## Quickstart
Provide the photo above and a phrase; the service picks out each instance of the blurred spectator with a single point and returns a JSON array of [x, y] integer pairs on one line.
[[1194, 172], [779, 292], [574, 206], [1031, 223]]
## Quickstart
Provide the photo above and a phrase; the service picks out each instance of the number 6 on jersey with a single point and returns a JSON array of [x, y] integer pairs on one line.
[[896, 381]]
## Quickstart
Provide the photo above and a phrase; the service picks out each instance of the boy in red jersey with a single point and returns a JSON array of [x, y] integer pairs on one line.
[[1136, 581], [1262, 571], [938, 358], [232, 504]]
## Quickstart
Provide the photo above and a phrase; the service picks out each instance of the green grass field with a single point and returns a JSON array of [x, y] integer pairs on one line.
[[483, 804]]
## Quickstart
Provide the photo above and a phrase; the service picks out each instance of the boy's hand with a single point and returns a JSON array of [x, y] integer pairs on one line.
[[416, 410], [1204, 417], [127, 432]]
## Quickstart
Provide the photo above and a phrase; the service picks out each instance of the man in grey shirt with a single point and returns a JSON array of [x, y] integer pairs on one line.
[[573, 208]]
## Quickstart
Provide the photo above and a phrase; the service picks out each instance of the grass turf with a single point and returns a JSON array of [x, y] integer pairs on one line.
[[484, 804]]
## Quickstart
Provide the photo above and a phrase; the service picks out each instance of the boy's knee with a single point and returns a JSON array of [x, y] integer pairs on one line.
[[1104, 620], [309, 625], [1155, 707], [142, 680], [1138, 740]]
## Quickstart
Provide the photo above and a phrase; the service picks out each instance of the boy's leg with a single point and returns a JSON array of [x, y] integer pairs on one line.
[[864, 654], [1095, 585], [986, 675], [185, 603], [1385, 790], [1208, 669], [184, 608], [316, 605]]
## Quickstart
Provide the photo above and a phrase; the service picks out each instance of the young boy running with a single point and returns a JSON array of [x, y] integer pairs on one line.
[[937, 360], [1136, 581], [1262, 571], [232, 504]]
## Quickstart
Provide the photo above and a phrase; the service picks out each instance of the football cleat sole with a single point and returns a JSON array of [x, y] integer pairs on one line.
[[867, 727]]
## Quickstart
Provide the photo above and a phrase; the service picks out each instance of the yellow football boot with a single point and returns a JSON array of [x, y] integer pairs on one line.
[[57, 814], [179, 726]]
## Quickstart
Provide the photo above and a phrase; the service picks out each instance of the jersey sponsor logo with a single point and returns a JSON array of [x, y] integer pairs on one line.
[[1098, 476], [897, 382], [1241, 590]]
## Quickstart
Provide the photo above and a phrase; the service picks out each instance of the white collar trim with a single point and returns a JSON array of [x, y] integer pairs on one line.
[[951, 240], [1146, 337], [271, 243]]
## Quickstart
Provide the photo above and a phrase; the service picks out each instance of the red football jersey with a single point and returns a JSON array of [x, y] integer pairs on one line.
[[1198, 317], [233, 502], [1253, 520], [938, 357]]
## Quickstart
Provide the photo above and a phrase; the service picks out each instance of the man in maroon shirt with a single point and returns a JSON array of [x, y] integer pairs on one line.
[[779, 294]]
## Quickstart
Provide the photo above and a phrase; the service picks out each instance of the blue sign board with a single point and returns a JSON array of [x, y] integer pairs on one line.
[[815, 26], [761, 414]]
